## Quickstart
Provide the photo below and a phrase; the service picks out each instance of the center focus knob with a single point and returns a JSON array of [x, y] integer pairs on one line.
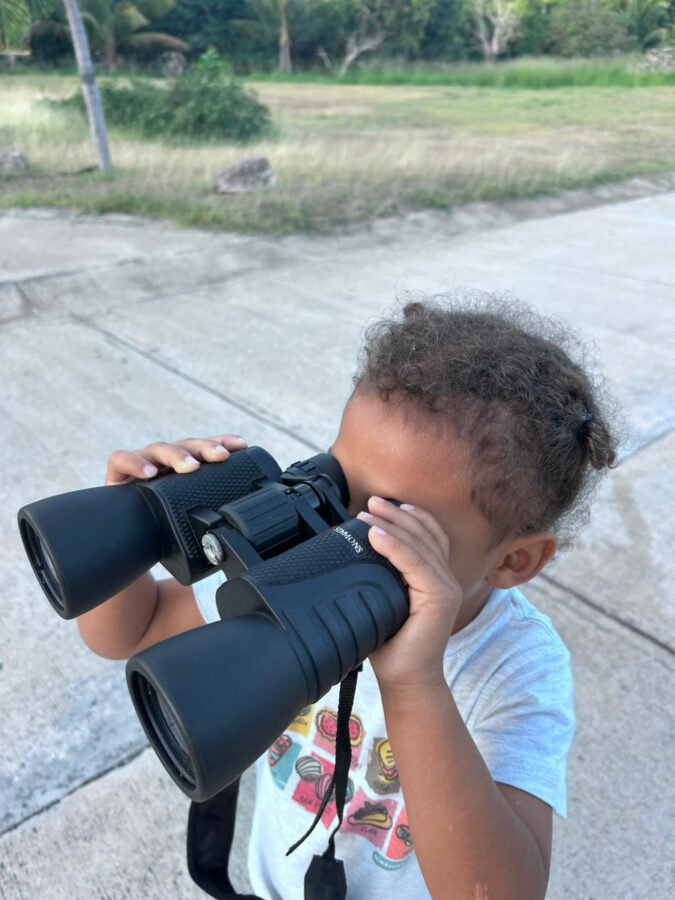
[[267, 518]]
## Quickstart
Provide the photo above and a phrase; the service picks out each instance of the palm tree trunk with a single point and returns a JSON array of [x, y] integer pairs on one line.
[[285, 63], [110, 50], [92, 99]]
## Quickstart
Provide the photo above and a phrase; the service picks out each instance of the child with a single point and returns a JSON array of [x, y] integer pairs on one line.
[[475, 418]]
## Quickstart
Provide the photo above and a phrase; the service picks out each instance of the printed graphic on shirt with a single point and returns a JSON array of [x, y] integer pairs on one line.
[[402, 832], [310, 769], [400, 845], [315, 775], [382, 774], [302, 722], [326, 729], [281, 756], [370, 819], [302, 761]]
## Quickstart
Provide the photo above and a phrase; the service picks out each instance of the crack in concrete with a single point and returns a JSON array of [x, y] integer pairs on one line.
[[657, 435], [120, 764], [149, 261], [598, 271], [265, 420], [608, 614], [20, 284], [67, 273], [25, 310], [204, 285]]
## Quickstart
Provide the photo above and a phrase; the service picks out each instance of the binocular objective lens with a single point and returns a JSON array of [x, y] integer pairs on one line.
[[167, 737], [43, 565]]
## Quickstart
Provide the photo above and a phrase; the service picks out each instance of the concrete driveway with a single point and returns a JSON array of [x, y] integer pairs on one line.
[[116, 333]]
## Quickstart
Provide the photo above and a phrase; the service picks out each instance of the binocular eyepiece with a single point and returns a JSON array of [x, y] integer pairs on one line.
[[306, 598]]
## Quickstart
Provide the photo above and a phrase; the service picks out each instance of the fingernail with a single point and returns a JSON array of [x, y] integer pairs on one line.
[[238, 439], [377, 499], [378, 530], [220, 448], [407, 506], [365, 515], [149, 470], [190, 461]]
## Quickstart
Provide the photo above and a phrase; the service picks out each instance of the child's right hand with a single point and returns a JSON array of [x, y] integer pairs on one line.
[[181, 456]]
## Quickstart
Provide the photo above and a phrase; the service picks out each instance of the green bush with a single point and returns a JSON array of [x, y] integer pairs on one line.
[[204, 103]]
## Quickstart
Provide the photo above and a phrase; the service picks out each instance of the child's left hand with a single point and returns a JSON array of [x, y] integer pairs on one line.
[[417, 546]]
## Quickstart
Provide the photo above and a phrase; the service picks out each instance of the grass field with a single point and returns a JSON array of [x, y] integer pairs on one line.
[[346, 153], [533, 73]]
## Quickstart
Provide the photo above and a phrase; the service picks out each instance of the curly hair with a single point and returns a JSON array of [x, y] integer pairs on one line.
[[506, 381]]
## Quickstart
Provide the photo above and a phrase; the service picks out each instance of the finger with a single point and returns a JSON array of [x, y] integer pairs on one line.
[[431, 524], [410, 560], [204, 449], [124, 466], [424, 552], [161, 454], [416, 519], [418, 522], [231, 441], [181, 456]]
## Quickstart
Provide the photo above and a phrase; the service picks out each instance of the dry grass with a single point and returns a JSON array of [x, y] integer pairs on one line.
[[347, 152]]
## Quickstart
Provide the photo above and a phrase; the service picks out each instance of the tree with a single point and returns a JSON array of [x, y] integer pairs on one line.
[[588, 28], [17, 14], [15, 19], [113, 27], [270, 17], [228, 29], [533, 37], [449, 32], [49, 40], [13, 15], [644, 20], [354, 27], [92, 99], [496, 22]]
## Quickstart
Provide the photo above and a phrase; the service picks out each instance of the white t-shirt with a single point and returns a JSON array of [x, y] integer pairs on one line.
[[509, 673]]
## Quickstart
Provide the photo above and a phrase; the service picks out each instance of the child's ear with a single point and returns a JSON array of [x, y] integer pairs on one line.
[[522, 559]]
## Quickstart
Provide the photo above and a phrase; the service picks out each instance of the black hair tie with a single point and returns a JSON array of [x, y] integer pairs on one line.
[[583, 422]]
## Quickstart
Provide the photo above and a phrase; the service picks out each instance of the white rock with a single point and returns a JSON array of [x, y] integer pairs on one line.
[[248, 175], [13, 160]]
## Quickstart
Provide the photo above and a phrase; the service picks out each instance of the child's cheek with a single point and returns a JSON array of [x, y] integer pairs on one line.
[[469, 574]]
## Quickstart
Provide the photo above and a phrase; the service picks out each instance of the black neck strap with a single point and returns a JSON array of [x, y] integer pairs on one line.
[[325, 877], [209, 841]]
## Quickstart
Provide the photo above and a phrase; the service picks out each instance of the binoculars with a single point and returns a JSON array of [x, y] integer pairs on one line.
[[306, 599]]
